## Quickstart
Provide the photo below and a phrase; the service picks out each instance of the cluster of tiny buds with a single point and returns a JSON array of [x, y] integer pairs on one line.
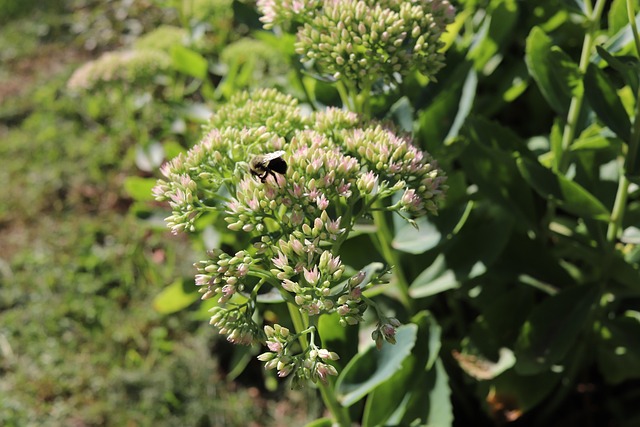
[[385, 331], [120, 67], [222, 274], [310, 364], [236, 323], [362, 40], [350, 306]]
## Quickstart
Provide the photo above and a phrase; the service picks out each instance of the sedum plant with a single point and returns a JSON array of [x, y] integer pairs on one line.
[[362, 43], [294, 187], [341, 171]]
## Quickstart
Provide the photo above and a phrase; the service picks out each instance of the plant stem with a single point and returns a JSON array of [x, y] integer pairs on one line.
[[617, 213], [632, 21], [299, 324], [347, 101], [340, 413], [577, 100], [384, 238]]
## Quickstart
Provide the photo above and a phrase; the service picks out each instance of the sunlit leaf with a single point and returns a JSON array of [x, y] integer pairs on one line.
[[410, 240], [189, 62], [175, 297], [554, 71], [371, 368], [321, 422], [395, 399], [139, 188], [501, 17]]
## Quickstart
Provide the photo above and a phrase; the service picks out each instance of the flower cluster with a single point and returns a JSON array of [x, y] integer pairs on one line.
[[162, 38], [364, 40], [259, 62], [385, 331], [122, 67], [237, 324], [284, 12], [293, 222], [221, 274], [310, 364]]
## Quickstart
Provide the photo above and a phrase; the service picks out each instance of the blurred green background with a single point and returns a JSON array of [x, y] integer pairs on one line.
[[80, 341]]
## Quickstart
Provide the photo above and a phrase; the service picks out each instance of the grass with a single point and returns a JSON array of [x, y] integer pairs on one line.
[[80, 343]]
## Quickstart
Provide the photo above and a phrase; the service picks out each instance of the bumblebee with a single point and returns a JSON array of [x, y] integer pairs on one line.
[[267, 164]]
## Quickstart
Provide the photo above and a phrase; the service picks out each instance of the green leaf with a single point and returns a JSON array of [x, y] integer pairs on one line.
[[502, 15], [343, 341], [175, 297], [571, 196], [488, 162], [468, 254], [368, 370], [436, 119], [441, 414], [139, 188], [410, 240], [434, 279], [553, 327], [604, 100], [467, 98], [241, 355], [402, 113], [428, 401], [621, 41], [618, 350], [391, 401], [189, 62], [557, 76], [627, 66], [618, 16], [591, 142], [321, 422]]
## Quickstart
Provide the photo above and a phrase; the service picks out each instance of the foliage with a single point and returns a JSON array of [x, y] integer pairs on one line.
[[516, 304], [527, 279]]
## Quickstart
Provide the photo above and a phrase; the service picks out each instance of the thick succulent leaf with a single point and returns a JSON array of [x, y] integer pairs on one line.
[[369, 369], [570, 195], [175, 297], [556, 74], [606, 103]]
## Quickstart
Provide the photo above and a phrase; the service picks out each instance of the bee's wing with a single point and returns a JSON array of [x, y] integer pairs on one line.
[[268, 157]]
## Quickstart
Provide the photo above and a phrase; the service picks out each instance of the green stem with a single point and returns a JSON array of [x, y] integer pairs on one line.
[[344, 96], [617, 213], [384, 238], [577, 100], [307, 93], [632, 21], [363, 100], [340, 413], [299, 324]]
